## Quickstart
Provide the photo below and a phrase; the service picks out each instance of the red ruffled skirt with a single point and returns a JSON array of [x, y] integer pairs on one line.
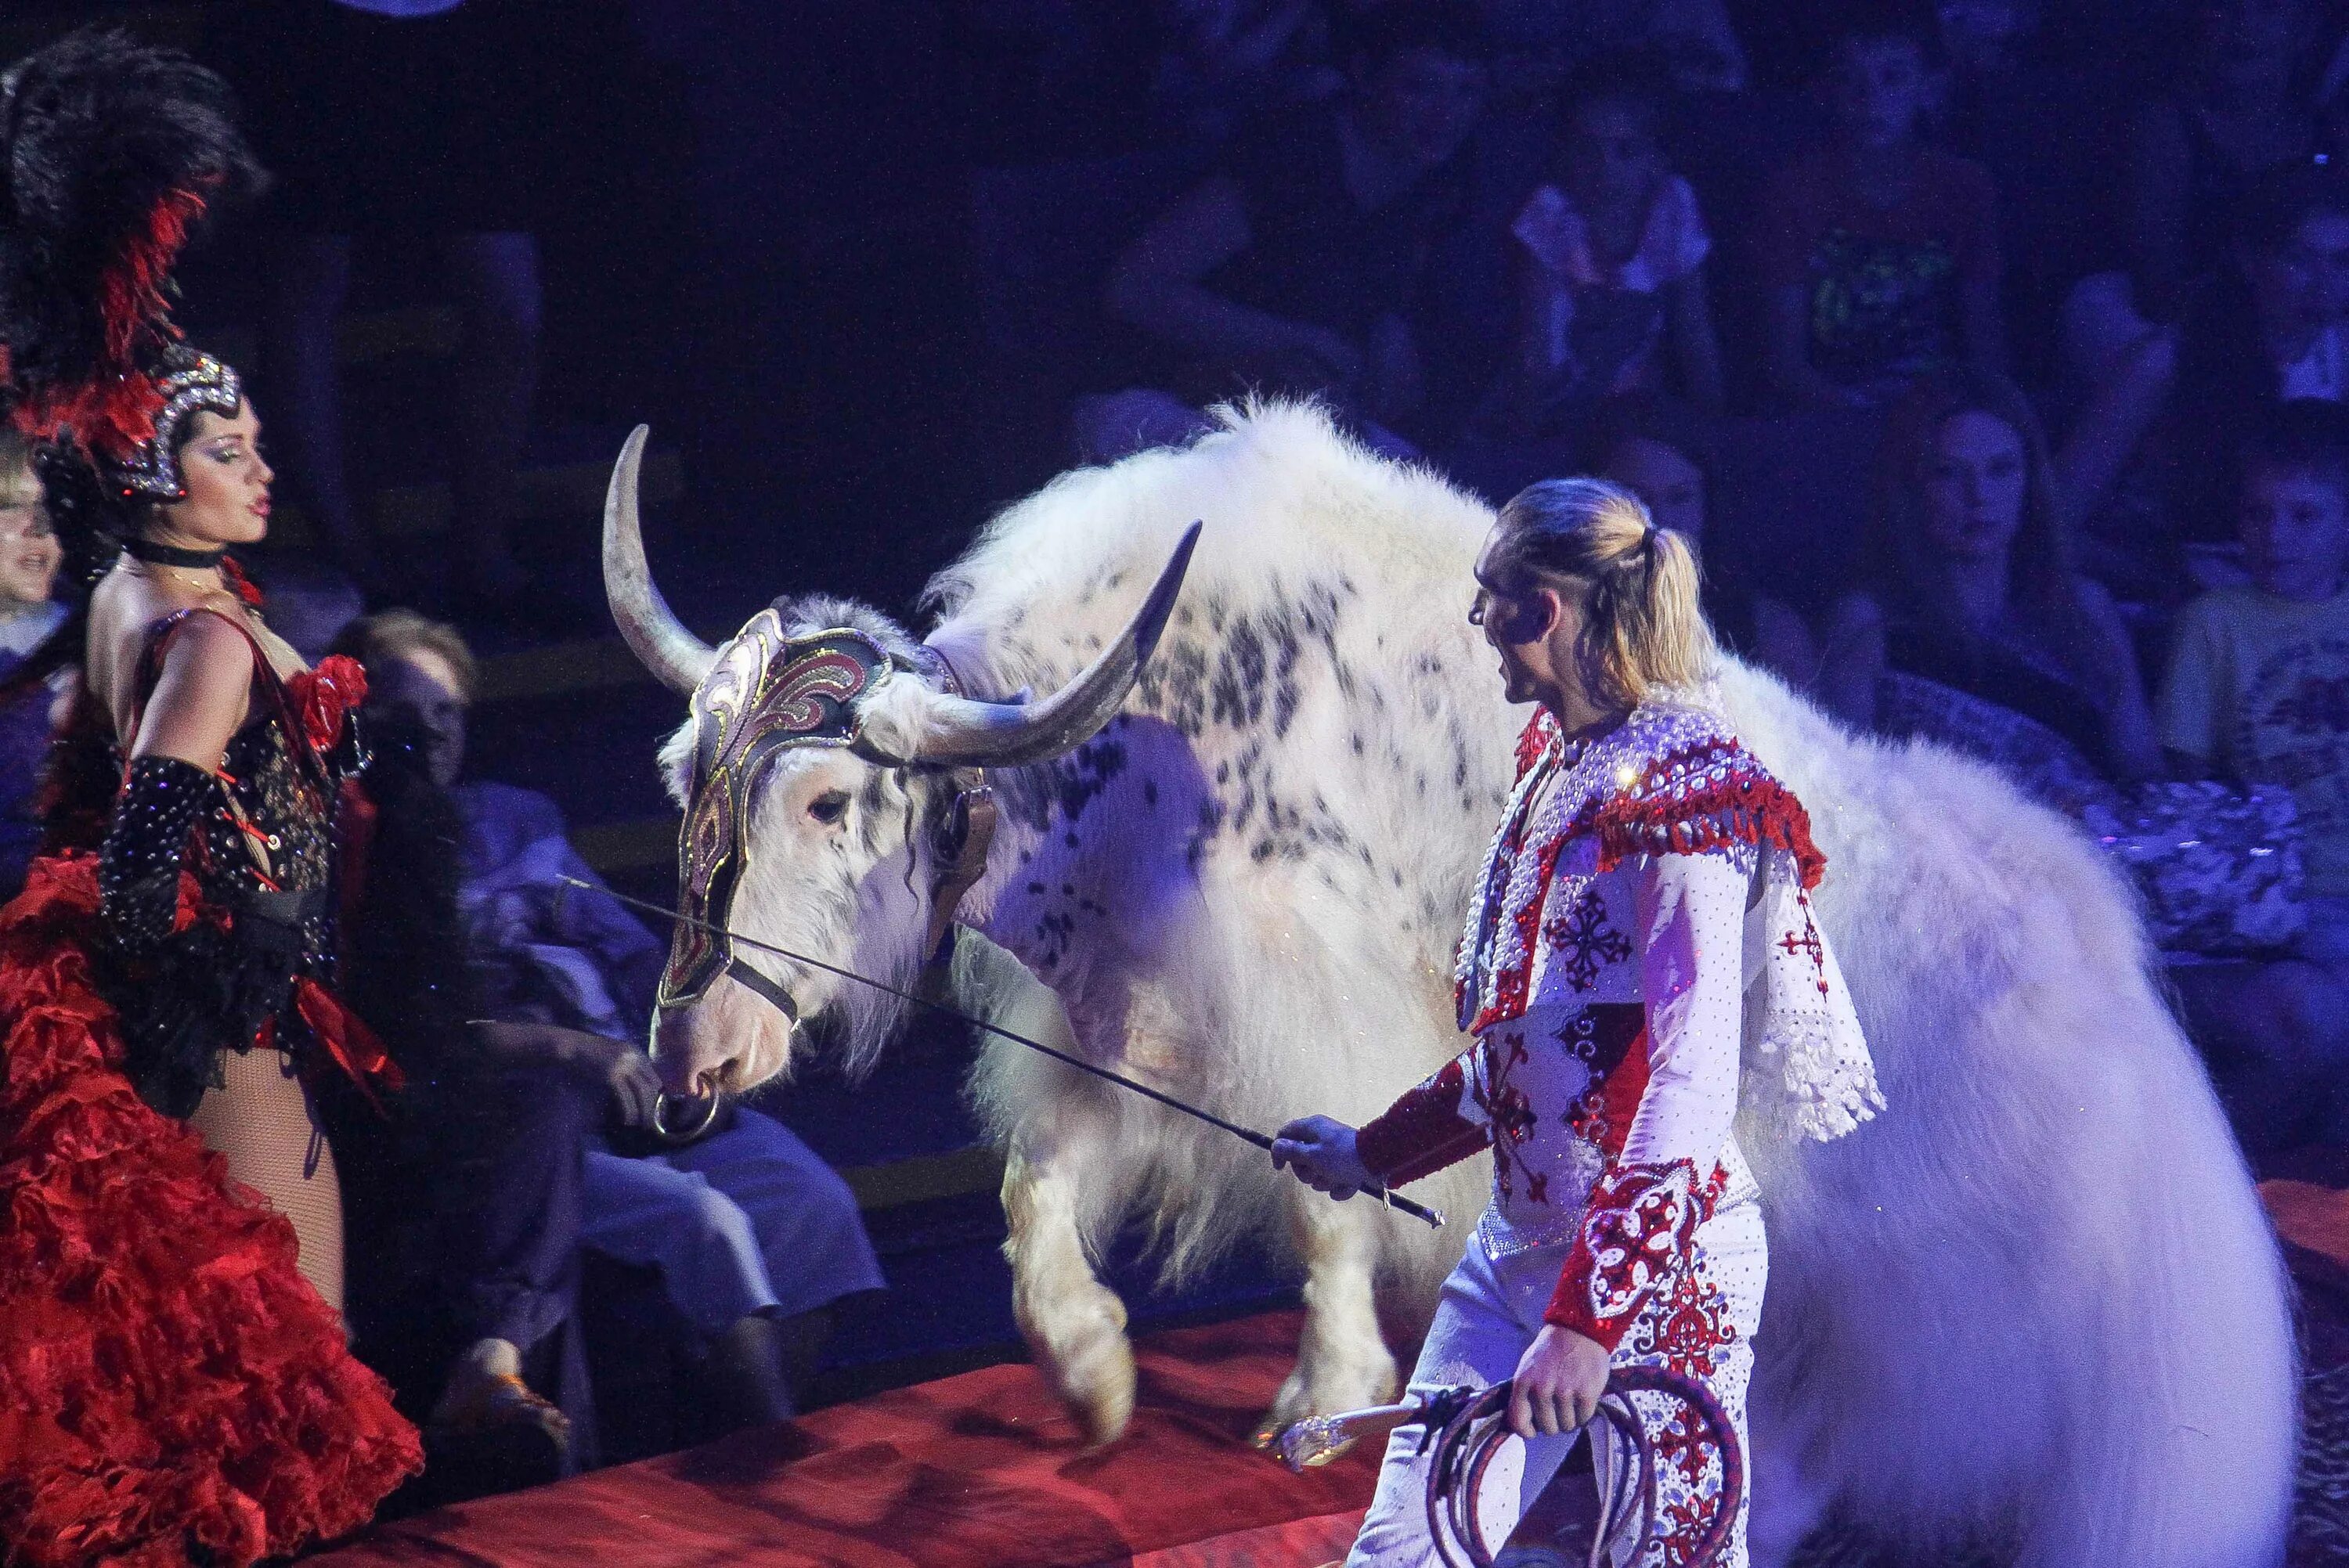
[[167, 1377]]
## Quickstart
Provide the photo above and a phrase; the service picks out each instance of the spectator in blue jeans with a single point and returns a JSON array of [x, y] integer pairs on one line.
[[754, 1236]]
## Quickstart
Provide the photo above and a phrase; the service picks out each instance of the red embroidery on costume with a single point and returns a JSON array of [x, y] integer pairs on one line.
[[1421, 1133], [1533, 739], [1810, 943], [1511, 1112], [1682, 1525], [1602, 1114], [1686, 1325], [1707, 795], [1637, 1228], [1704, 795]]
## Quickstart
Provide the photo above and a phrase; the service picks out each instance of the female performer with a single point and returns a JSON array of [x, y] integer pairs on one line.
[[1647, 866], [172, 1365]]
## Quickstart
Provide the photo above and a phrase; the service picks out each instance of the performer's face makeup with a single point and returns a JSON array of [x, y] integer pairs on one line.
[[227, 481], [1974, 480], [1525, 633]]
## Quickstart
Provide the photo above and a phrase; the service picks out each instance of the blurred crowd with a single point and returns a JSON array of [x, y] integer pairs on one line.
[[1991, 350]]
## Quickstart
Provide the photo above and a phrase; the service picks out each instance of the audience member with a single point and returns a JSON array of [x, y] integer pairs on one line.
[[2194, 153], [1228, 62], [1979, 637], [1878, 254], [2258, 690], [1663, 452], [1611, 264], [1299, 265], [754, 1236], [29, 556], [402, 120], [2271, 329], [1976, 587]]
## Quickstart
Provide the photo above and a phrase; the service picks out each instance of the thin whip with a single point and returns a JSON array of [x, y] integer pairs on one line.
[[1261, 1140]]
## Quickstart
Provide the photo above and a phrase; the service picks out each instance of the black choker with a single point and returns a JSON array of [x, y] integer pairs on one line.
[[166, 555]]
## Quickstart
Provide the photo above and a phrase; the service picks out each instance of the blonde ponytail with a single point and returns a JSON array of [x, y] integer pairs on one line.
[[1642, 617]]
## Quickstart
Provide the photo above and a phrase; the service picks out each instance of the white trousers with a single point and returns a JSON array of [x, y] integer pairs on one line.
[[1491, 1310]]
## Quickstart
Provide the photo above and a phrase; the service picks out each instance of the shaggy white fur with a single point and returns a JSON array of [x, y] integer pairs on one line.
[[2036, 1293]]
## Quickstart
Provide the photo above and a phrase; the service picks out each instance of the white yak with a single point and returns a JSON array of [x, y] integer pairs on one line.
[[2036, 1295]]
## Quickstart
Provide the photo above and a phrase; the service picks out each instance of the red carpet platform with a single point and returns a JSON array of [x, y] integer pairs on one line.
[[973, 1471]]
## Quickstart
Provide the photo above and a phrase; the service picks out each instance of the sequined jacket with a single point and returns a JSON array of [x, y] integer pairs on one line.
[[239, 948], [1641, 888]]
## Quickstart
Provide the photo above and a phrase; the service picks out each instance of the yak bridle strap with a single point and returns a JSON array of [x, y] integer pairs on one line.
[[766, 692]]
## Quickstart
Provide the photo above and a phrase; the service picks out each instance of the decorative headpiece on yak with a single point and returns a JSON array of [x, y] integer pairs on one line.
[[822, 737], [2034, 1299]]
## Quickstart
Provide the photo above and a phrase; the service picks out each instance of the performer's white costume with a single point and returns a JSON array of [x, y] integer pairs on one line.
[[1641, 951]]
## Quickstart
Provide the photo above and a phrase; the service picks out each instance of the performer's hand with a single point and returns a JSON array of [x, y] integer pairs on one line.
[[1321, 1152], [1559, 1379]]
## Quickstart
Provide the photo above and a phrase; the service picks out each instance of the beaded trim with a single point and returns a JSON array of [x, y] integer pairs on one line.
[[1668, 779], [192, 382]]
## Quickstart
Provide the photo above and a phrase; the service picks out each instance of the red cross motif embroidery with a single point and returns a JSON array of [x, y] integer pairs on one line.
[[1808, 943]]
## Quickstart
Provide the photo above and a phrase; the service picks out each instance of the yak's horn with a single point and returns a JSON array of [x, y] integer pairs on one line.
[[648, 625], [958, 731]]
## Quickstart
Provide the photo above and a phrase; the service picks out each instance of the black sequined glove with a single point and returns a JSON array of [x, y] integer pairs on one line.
[[139, 867]]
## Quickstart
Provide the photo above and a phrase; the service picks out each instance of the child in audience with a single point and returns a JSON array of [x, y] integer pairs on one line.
[[1878, 255], [1610, 261], [2258, 690]]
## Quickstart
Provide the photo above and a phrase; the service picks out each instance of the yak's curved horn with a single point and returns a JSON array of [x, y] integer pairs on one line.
[[960, 731], [648, 625]]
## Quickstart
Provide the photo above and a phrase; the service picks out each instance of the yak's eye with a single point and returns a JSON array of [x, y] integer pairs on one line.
[[829, 806]]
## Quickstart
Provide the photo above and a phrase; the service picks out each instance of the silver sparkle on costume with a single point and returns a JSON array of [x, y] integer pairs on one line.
[[190, 382]]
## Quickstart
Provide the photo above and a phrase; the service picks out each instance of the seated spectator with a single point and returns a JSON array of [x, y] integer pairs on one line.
[[29, 555], [2271, 329], [754, 1237], [1611, 264], [1662, 453], [2194, 153], [2170, 406], [1979, 637], [1298, 266], [2258, 690], [1878, 254], [1975, 587]]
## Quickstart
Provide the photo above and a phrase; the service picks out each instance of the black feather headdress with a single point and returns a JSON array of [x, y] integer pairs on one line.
[[111, 150]]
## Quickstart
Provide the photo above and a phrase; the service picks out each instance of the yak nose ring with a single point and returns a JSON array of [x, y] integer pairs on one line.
[[682, 1133]]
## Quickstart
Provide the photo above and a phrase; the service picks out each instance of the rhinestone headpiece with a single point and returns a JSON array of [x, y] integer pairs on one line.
[[189, 381]]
